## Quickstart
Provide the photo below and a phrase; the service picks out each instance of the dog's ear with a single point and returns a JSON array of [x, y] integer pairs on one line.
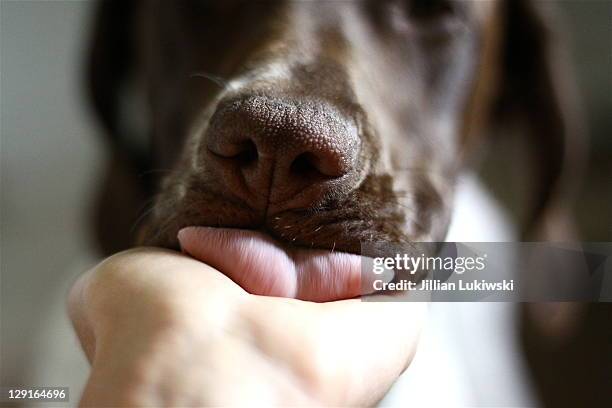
[[535, 102], [109, 75]]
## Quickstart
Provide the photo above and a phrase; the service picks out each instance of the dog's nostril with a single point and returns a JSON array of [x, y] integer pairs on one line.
[[248, 153], [243, 153], [306, 165], [282, 147], [315, 167]]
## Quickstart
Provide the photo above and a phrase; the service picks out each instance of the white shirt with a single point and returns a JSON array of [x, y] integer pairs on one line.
[[468, 355]]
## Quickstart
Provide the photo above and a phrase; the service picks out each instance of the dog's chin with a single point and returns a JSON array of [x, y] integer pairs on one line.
[[264, 266], [322, 230], [291, 232]]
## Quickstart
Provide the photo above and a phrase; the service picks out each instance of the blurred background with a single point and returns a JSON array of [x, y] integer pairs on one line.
[[52, 155]]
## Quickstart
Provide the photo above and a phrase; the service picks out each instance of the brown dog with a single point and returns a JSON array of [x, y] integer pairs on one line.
[[323, 123]]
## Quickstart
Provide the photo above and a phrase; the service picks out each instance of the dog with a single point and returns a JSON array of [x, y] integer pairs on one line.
[[329, 123], [325, 124]]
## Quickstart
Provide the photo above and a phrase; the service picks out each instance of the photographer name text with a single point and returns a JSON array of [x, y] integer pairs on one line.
[[436, 285]]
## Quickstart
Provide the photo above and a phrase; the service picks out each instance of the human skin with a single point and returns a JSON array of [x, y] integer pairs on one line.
[[162, 329]]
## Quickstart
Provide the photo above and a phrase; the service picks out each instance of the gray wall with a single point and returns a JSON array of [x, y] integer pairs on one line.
[[49, 159]]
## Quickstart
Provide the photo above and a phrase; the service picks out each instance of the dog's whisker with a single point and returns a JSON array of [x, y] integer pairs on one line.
[[141, 218], [161, 229], [152, 205], [146, 204], [433, 196], [144, 211], [217, 80]]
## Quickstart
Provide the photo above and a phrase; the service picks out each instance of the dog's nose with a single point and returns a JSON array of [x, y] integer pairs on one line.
[[282, 149]]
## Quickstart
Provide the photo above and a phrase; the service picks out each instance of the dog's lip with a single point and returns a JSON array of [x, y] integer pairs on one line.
[[263, 266]]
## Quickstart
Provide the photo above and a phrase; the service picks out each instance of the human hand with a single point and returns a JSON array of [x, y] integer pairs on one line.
[[161, 328]]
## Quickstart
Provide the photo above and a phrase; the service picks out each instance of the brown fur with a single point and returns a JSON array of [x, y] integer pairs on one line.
[[424, 84]]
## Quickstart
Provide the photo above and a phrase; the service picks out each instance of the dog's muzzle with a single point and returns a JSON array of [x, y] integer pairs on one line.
[[281, 153]]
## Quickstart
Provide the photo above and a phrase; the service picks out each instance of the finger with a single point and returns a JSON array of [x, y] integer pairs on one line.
[[77, 313], [263, 267]]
